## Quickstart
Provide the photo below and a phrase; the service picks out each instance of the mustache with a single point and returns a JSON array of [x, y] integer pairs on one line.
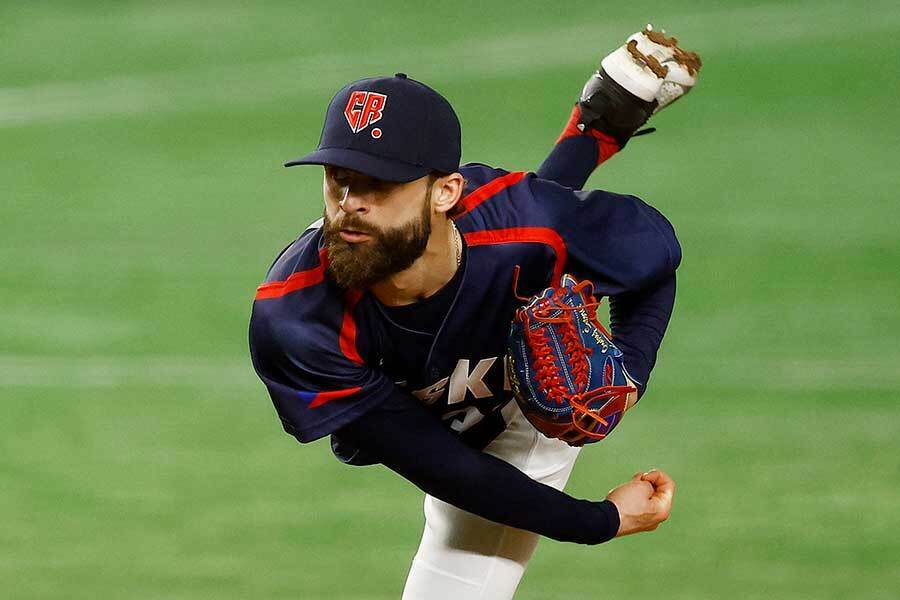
[[353, 222]]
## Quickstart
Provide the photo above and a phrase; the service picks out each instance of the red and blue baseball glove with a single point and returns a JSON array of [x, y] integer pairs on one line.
[[564, 370]]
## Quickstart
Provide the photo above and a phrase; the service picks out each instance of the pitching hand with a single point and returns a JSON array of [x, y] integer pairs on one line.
[[643, 502]]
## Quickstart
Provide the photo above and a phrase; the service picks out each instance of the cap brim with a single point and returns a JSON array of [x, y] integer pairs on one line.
[[373, 166]]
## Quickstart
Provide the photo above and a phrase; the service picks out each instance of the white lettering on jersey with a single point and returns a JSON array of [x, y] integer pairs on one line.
[[461, 380], [472, 416], [433, 392]]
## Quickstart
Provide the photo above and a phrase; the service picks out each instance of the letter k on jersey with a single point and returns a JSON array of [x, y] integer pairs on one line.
[[363, 109]]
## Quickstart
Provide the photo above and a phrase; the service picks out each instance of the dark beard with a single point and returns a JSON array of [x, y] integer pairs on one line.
[[389, 251]]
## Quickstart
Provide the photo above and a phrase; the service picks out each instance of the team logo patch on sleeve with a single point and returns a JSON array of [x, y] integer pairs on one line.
[[364, 108]]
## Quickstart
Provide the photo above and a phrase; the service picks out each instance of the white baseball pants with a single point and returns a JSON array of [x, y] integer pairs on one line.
[[462, 556]]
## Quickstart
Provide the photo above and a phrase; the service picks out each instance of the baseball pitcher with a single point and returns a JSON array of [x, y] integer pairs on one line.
[[386, 325]]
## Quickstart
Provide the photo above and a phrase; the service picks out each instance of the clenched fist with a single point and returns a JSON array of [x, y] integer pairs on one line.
[[643, 502]]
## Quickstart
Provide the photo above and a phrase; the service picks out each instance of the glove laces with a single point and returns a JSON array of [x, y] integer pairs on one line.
[[551, 312]]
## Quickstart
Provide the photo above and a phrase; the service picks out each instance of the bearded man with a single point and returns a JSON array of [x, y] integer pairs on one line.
[[384, 325]]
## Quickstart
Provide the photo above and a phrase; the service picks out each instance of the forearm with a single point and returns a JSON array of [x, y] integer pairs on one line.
[[638, 321], [414, 443], [576, 154]]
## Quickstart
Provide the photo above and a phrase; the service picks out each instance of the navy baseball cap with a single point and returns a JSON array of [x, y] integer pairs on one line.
[[390, 128]]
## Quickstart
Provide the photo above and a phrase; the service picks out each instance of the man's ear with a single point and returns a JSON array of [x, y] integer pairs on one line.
[[447, 191]]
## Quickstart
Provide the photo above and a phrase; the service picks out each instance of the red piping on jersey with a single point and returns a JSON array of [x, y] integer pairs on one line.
[[297, 281], [325, 397], [348, 328], [489, 189], [606, 145], [515, 235]]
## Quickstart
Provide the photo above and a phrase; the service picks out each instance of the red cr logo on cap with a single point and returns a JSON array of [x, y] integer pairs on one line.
[[363, 109]]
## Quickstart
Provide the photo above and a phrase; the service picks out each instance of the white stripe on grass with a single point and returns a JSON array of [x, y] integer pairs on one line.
[[782, 374], [761, 374], [23, 371], [515, 54]]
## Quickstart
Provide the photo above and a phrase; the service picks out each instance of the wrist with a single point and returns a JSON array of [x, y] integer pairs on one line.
[[613, 520]]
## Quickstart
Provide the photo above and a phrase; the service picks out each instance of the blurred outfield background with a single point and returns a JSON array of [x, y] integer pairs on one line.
[[143, 200]]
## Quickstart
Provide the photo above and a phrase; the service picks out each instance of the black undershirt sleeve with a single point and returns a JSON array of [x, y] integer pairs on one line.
[[638, 322], [405, 437]]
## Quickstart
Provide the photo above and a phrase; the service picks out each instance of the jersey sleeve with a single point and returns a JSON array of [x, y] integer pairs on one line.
[[629, 250], [317, 384], [619, 242]]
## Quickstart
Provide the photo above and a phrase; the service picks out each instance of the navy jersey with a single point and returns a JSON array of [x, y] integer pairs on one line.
[[326, 354]]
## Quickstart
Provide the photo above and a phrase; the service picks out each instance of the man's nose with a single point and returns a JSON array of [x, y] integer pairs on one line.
[[354, 201]]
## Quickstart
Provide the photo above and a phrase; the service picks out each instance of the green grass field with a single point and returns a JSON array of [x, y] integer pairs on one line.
[[143, 200]]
